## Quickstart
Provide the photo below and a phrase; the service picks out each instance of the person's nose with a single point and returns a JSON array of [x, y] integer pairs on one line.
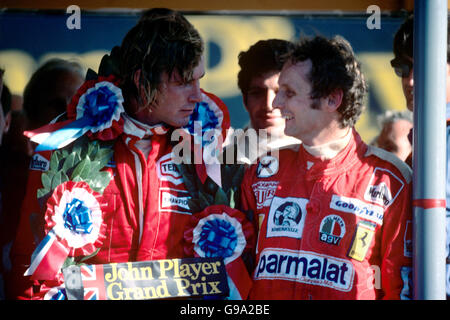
[[278, 101], [196, 94], [410, 78]]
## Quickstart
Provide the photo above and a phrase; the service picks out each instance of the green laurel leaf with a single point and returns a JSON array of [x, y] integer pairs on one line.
[[100, 181], [69, 162], [221, 197], [46, 179], [82, 169], [103, 156]]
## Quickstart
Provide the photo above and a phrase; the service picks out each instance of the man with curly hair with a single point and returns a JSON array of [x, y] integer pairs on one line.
[[351, 241]]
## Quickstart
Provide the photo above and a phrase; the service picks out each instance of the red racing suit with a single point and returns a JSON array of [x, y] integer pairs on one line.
[[335, 229], [146, 195]]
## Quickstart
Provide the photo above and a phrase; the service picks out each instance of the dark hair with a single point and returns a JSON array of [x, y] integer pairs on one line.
[[262, 57], [158, 13], [404, 40], [157, 45], [334, 66], [42, 93]]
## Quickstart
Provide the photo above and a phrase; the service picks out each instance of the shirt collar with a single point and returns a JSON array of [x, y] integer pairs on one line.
[[329, 150]]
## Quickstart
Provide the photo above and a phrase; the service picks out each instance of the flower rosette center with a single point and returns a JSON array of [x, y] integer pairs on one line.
[[217, 237], [77, 217], [100, 106]]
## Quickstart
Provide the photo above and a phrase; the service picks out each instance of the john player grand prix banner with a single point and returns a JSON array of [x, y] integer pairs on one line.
[[160, 279]]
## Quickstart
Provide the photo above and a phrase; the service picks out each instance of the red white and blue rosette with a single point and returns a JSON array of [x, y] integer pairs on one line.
[[74, 227], [96, 110], [208, 125], [221, 231]]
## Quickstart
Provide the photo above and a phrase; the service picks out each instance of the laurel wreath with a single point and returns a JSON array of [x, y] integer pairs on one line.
[[209, 193], [81, 162]]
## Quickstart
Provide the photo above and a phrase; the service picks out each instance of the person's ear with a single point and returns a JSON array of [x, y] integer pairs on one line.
[[334, 99], [136, 77]]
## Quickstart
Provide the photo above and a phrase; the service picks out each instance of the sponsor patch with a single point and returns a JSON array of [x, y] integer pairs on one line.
[[305, 267], [38, 162], [286, 217], [264, 192], [383, 188], [332, 229], [167, 170], [172, 200], [407, 240], [361, 241], [267, 167], [357, 207]]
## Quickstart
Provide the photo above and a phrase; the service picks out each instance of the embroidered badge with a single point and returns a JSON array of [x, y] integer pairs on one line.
[[332, 229], [267, 167], [361, 241], [286, 217]]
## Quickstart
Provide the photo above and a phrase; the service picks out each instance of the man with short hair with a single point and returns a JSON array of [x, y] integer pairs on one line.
[[113, 194], [258, 81], [354, 199]]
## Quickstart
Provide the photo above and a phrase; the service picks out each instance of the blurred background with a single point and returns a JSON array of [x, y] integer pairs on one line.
[[31, 32]]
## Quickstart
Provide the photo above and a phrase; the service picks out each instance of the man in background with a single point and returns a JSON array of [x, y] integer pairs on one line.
[[258, 81], [403, 64]]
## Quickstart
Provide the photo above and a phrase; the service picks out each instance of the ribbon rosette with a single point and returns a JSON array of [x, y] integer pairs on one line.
[[221, 231], [208, 125], [74, 227], [95, 110]]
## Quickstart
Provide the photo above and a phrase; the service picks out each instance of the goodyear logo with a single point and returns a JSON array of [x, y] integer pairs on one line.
[[357, 207], [305, 267]]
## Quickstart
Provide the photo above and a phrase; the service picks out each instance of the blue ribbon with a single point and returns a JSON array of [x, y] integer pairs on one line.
[[202, 113], [100, 106], [218, 238], [77, 217], [72, 130]]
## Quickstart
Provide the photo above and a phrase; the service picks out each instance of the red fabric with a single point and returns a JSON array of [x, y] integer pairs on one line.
[[345, 192]]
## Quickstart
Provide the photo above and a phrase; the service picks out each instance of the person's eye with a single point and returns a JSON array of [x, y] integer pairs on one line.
[[255, 92], [290, 93]]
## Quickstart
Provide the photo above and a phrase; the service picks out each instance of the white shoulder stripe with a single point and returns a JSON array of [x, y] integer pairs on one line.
[[405, 170]]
